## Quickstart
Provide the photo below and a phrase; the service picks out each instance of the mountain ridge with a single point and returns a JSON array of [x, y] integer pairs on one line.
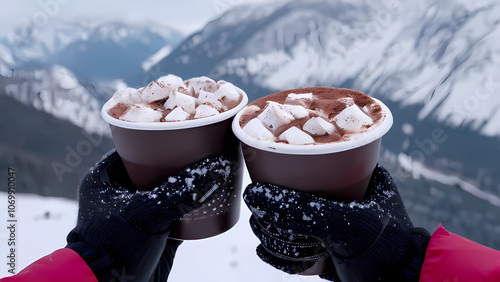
[[419, 57]]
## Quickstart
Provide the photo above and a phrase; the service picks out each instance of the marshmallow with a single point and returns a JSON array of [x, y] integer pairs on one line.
[[127, 96], [295, 136], [171, 81], [188, 95], [305, 99], [188, 103], [195, 84], [274, 117], [177, 114], [210, 98], [154, 92], [297, 112], [318, 126], [205, 111], [228, 92], [256, 129], [251, 109], [349, 101], [141, 114], [352, 119]]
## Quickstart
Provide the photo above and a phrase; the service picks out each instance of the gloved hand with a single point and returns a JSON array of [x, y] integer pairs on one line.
[[121, 233], [166, 261], [373, 240]]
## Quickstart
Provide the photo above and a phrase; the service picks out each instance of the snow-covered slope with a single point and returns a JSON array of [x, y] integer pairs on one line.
[[29, 44], [57, 91], [439, 55], [41, 228]]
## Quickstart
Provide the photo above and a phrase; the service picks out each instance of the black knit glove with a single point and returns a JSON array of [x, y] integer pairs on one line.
[[373, 240], [122, 234]]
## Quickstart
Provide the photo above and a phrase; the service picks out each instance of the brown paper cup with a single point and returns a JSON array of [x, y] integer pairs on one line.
[[151, 152], [343, 175], [337, 171]]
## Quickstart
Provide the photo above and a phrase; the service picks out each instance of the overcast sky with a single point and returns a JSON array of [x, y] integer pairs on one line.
[[185, 15]]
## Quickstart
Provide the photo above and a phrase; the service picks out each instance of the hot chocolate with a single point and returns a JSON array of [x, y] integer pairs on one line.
[[170, 99], [160, 129], [323, 140], [315, 115]]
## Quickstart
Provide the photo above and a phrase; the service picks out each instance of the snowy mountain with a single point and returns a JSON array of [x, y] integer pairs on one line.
[[98, 52], [57, 91], [29, 44], [439, 55], [50, 154], [117, 51], [69, 70]]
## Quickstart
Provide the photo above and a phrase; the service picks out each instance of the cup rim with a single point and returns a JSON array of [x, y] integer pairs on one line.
[[357, 140], [174, 125]]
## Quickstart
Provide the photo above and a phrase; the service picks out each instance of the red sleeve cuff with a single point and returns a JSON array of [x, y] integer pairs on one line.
[[450, 257], [61, 266]]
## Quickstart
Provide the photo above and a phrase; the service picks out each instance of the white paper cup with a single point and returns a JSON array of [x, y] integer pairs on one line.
[[338, 170], [151, 152]]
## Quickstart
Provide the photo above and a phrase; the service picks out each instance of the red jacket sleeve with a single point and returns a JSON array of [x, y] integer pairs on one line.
[[450, 257], [62, 265]]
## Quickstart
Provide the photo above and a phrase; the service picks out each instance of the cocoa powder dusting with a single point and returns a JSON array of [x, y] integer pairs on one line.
[[117, 110]]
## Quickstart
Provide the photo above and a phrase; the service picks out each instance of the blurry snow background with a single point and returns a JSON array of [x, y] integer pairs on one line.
[[435, 63]]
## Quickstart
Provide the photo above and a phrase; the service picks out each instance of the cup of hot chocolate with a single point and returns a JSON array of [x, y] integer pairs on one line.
[[322, 140], [171, 123]]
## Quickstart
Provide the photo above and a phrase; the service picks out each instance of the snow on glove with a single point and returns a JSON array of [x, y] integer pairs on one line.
[[122, 234], [372, 240]]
